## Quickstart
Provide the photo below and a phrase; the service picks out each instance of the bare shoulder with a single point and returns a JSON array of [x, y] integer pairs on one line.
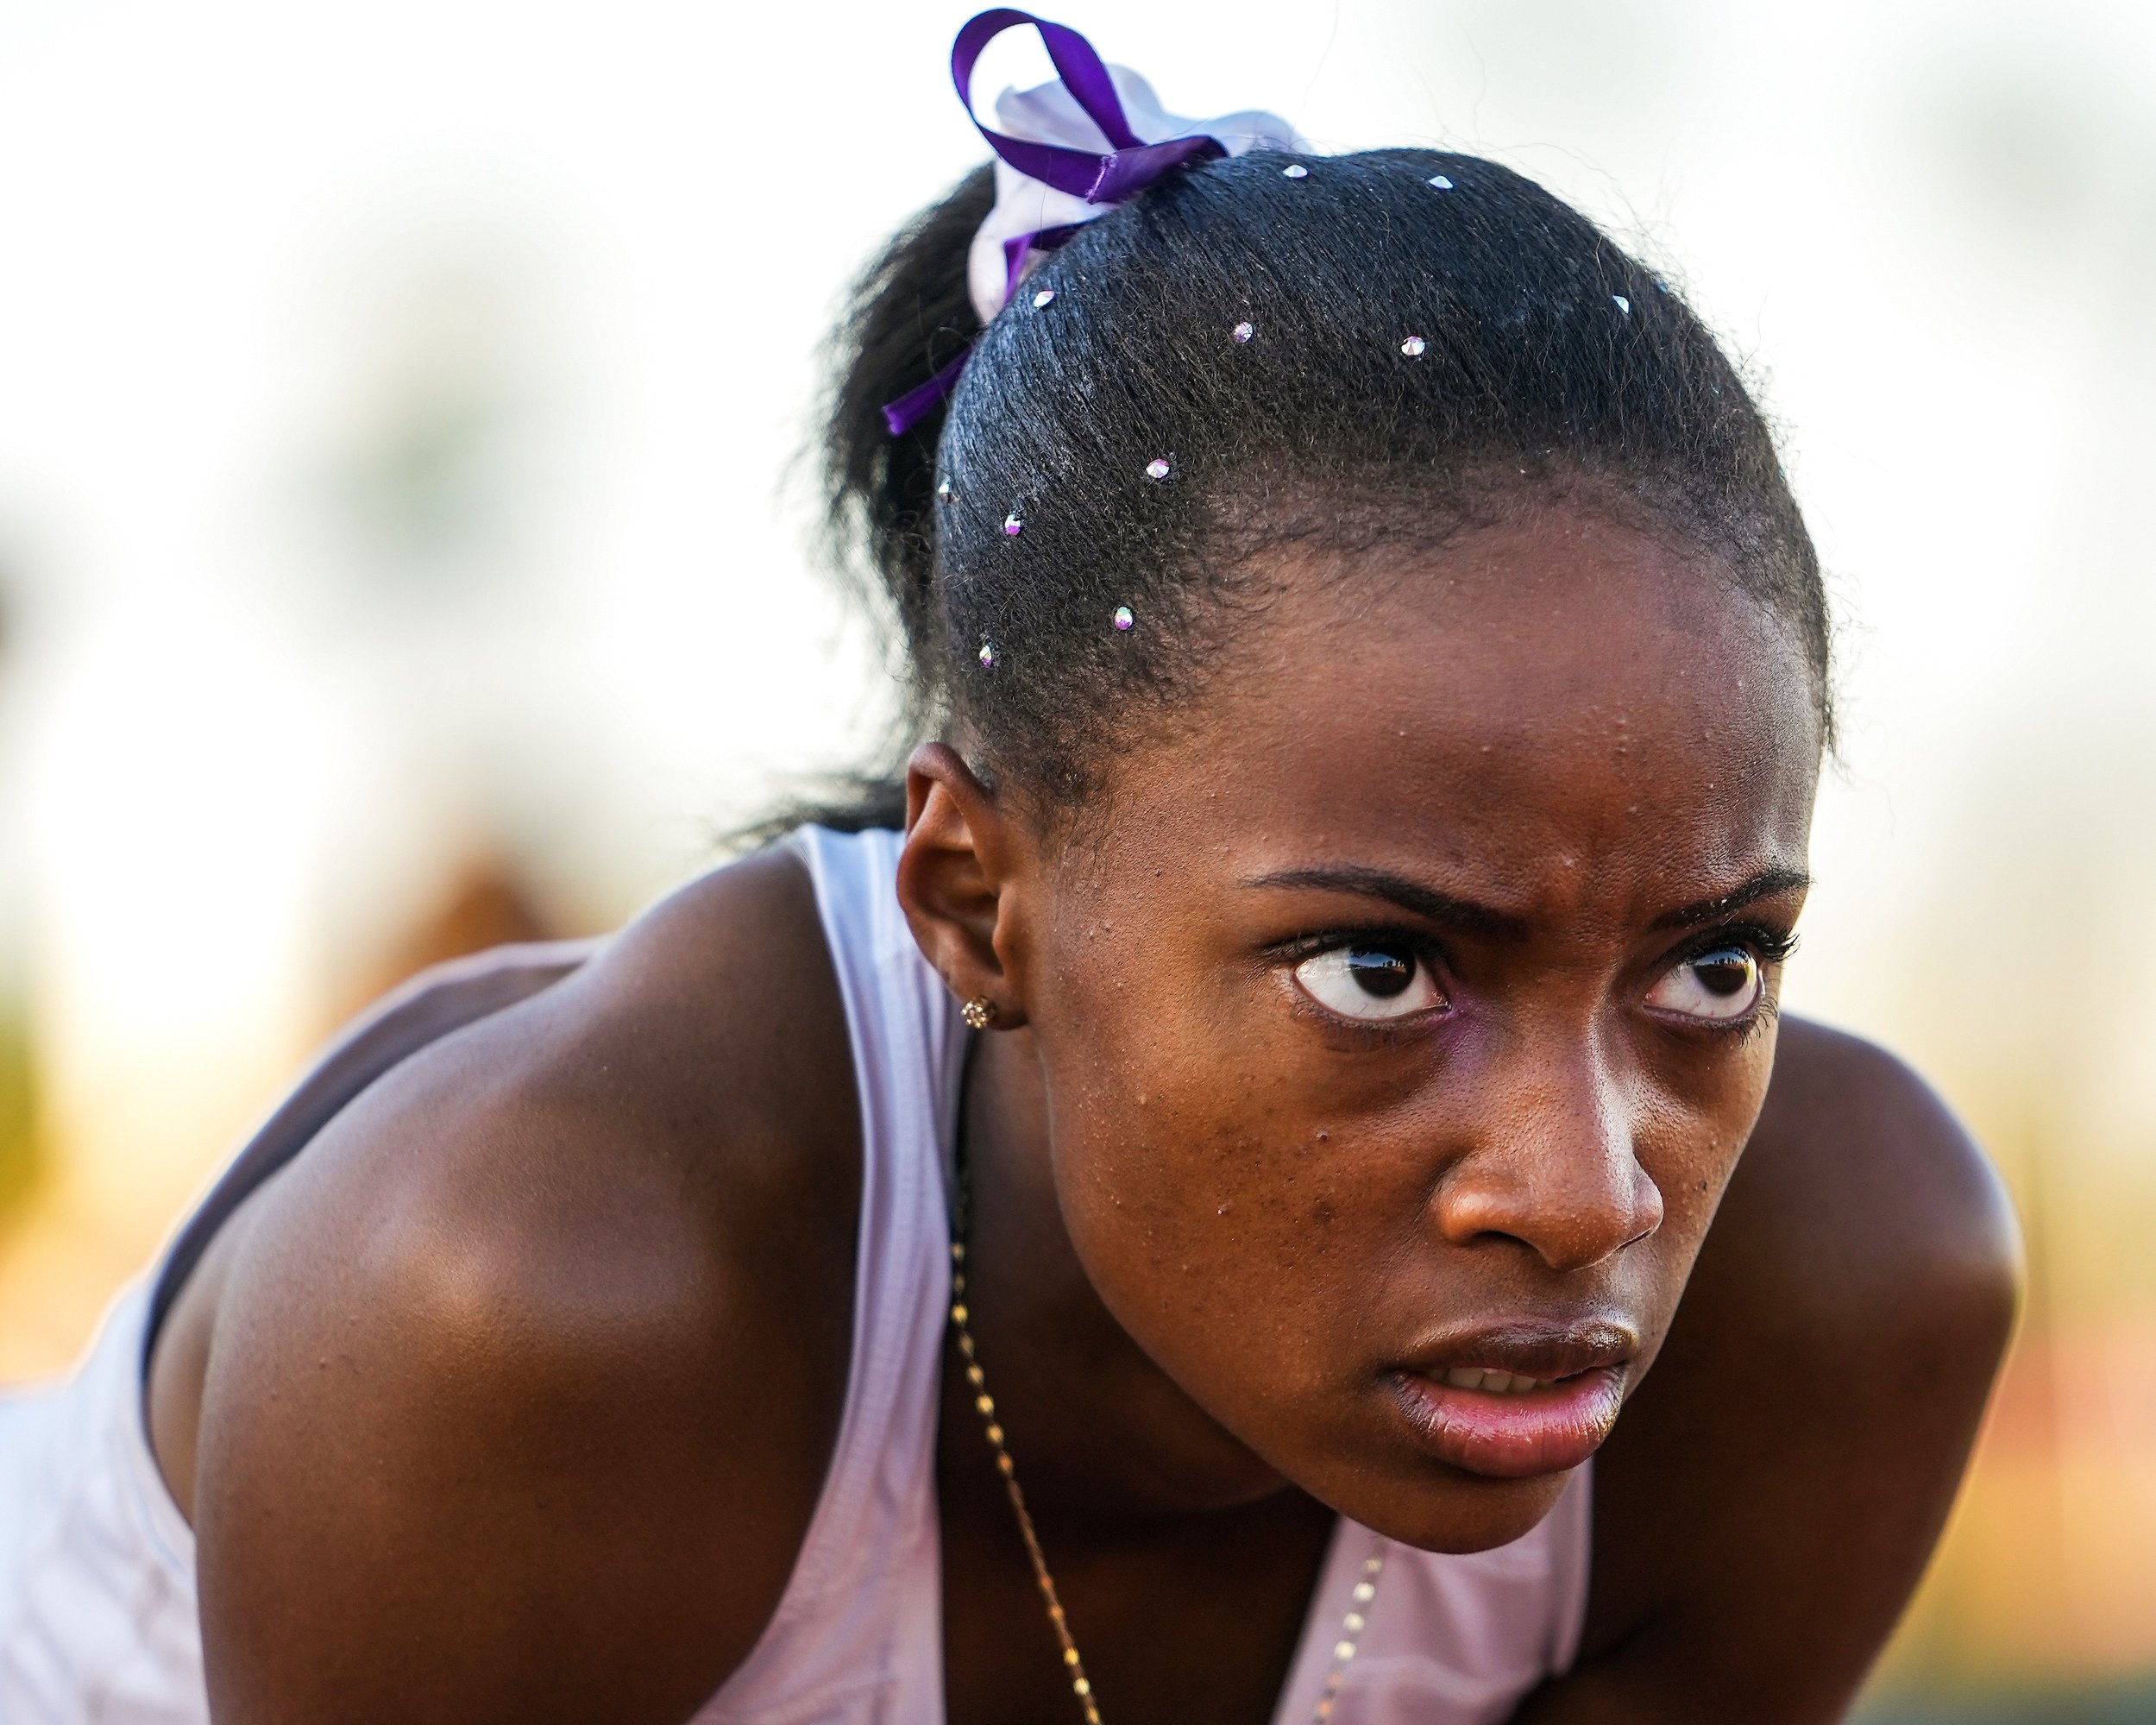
[[523, 1377], [1860, 1180], [1775, 1486]]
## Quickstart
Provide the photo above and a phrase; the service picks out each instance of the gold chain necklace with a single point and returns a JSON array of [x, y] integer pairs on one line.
[[1365, 1590]]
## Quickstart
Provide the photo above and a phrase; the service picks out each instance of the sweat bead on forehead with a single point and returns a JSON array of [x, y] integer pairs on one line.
[[1558, 690]]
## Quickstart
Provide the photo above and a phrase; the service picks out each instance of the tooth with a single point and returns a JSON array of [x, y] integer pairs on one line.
[[1464, 1377], [1507, 1384]]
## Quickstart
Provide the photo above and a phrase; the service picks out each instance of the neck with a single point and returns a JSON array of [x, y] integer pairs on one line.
[[1102, 1437]]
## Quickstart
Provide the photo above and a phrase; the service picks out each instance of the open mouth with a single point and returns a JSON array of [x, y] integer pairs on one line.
[[1494, 1383], [1503, 1425], [1489, 1417]]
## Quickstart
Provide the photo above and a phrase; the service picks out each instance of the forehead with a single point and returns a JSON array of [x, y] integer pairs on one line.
[[1532, 696]]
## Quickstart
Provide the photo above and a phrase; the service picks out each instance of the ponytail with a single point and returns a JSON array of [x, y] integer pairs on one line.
[[908, 315]]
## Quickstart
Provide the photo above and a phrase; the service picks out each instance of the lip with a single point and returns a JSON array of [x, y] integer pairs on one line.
[[1522, 1436]]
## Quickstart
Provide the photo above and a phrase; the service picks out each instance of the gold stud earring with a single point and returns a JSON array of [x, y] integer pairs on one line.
[[979, 1012]]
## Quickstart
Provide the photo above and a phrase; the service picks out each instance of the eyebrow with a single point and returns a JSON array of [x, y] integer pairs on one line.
[[1768, 883], [1466, 914], [1442, 908]]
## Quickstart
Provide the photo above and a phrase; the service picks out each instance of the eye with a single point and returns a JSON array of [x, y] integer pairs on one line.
[[1719, 985], [1371, 982]]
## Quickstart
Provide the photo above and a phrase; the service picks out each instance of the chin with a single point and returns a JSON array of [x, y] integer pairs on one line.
[[1437, 1508]]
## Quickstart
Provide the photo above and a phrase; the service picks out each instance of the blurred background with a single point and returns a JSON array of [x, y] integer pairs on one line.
[[403, 548]]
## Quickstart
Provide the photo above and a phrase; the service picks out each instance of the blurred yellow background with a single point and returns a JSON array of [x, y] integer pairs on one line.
[[402, 547]]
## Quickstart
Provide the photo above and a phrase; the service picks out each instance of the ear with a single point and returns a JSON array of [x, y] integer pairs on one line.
[[955, 880]]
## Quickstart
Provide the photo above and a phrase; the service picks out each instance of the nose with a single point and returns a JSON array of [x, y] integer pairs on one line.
[[1555, 1165]]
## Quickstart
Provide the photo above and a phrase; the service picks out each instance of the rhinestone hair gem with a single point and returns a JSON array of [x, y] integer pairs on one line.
[[1622, 304], [1158, 467], [1295, 170], [1012, 526], [1244, 330], [943, 490], [987, 656], [1124, 618], [1042, 298], [1441, 182], [1413, 346]]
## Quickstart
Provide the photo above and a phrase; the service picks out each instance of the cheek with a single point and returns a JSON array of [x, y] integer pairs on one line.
[[1690, 1133], [1180, 1147], [1148, 1082], [1229, 1245], [1194, 1181]]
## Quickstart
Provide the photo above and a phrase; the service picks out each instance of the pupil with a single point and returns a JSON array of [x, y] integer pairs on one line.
[[1382, 971], [1723, 973]]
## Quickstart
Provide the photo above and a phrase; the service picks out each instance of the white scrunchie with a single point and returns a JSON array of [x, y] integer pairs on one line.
[[1051, 115]]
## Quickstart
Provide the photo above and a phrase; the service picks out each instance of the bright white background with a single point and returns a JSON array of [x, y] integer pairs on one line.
[[397, 407]]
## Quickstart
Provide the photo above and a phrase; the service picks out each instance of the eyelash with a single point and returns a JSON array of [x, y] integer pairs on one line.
[[1739, 1030], [1301, 947], [1770, 944], [1771, 947], [1287, 954]]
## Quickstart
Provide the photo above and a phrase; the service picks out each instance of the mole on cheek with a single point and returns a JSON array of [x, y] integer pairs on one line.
[[1324, 1213]]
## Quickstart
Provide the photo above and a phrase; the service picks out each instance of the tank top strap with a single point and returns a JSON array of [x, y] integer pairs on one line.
[[858, 1630]]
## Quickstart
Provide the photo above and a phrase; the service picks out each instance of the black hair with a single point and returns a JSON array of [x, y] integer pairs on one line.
[[1354, 354]]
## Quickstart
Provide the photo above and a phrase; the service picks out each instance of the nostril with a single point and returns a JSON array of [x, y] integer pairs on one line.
[[1653, 1208], [1571, 1211], [1648, 1201]]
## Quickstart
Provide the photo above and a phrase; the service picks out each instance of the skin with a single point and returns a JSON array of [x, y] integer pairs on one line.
[[545, 1338]]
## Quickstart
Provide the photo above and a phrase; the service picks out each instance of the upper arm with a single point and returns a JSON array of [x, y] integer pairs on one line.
[[411, 1502], [1774, 1489], [523, 1381]]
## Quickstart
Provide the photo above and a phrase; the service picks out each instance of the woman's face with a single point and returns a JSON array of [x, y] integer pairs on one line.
[[1401, 1029]]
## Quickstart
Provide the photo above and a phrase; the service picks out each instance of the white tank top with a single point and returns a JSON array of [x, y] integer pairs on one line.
[[98, 1606]]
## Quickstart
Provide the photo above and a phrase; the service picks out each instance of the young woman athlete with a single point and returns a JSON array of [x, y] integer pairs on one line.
[[1165, 1236]]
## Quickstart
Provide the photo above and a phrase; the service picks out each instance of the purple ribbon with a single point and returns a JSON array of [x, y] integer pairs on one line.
[[1130, 165], [911, 408]]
